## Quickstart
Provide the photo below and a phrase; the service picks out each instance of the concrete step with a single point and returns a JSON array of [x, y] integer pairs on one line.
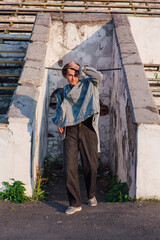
[[6, 80], [155, 89], [12, 54], [6, 38], [18, 28], [13, 48], [10, 71]]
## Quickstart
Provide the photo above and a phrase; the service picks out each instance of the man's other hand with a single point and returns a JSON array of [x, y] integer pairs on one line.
[[60, 130]]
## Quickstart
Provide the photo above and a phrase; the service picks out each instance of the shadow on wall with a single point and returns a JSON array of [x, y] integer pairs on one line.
[[25, 108], [87, 44]]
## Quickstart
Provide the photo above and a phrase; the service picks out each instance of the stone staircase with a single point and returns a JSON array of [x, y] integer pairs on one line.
[[15, 34], [31, 7], [153, 76]]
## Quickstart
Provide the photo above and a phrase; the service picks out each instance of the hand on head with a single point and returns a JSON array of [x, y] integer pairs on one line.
[[73, 65]]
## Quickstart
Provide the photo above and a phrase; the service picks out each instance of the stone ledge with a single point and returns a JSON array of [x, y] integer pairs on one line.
[[124, 35], [130, 54], [120, 20], [146, 115], [36, 51], [90, 17], [40, 34], [34, 64], [136, 77], [143, 105], [142, 99], [23, 107], [31, 75], [43, 19]]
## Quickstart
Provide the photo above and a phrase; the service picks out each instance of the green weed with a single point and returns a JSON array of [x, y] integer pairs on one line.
[[39, 193], [148, 200], [14, 192], [156, 75], [117, 191]]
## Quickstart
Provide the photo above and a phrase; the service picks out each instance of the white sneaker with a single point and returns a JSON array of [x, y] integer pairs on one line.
[[72, 210], [92, 202]]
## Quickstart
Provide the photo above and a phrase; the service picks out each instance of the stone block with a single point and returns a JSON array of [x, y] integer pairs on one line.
[[40, 34], [34, 64], [136, 78], [43, 19], [31, 75], [36, 51], [90, 17], [129, 53], [124, 34], [146, 115], [142, 99], [24, 104], [121, 20], [128, 59]]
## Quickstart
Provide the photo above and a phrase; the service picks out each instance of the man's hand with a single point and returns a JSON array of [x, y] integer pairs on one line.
[[60, 130], [74, 66]]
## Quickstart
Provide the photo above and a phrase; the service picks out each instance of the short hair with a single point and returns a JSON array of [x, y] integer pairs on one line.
[[65, 68]]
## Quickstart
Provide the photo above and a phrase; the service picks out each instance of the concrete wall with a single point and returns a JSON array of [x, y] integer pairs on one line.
[[123, 137], [148, 164], [26, 133], [85, 39], [134, 117]]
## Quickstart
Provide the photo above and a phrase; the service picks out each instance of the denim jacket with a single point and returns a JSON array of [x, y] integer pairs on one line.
[[80, 102]]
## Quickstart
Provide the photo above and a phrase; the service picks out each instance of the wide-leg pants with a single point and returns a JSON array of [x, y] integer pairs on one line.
[[80, 138]]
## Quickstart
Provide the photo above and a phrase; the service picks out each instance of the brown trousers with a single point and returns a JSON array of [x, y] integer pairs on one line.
[[83, 139]]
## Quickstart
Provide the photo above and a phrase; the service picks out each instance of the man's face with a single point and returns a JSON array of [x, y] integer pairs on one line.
[[72, 77]]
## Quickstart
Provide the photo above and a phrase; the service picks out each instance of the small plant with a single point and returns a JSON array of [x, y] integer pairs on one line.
[[117, 191], [39, 193], [149, 200], [14, 192], [6, 31], [156, 75]]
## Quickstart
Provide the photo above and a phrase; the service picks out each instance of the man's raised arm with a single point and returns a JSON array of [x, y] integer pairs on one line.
[[93, 73]]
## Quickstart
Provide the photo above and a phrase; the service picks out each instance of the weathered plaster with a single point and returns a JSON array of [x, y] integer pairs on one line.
[[148, 164]]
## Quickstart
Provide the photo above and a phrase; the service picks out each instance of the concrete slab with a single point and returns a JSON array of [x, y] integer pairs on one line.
[[24, 104], [43, 19], [40, 34], [129, 53], [146, 115], [33, 76], [36, 51], [124, 34], [86, 17], [142, 99], [34, 64], [120, 20], [136, 78]]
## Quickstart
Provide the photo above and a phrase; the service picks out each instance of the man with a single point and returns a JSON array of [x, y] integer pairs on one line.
[[77, 114]]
